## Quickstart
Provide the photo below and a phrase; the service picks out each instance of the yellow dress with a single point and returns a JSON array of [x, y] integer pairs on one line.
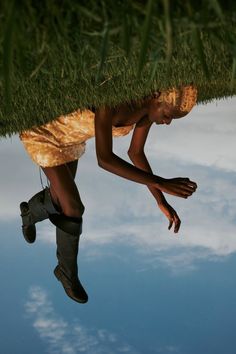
[[64, 139]]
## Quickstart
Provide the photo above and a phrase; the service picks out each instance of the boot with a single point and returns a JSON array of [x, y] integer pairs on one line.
[[38, 208], [41, 207], [67, 270]]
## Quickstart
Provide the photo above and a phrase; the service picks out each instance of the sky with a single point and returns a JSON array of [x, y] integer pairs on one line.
[[150, 290]]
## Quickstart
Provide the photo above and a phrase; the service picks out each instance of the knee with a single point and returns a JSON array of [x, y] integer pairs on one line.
[[73, 209]]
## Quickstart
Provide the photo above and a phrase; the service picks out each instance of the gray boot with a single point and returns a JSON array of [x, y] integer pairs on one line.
[[38, 208], [67, 269], [41, 207]]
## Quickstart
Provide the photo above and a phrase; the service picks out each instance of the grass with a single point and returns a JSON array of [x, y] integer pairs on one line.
[[61, 56]]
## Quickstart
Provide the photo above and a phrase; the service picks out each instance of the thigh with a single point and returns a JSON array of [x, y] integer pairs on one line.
[[64, 188], [73, 167]]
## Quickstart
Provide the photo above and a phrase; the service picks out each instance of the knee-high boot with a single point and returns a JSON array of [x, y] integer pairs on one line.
[[67, 269], [38, 208], [41, 207]]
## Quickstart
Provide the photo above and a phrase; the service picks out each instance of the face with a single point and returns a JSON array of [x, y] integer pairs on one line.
[[163, 113]]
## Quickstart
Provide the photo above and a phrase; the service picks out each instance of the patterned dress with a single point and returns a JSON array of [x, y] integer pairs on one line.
[[64, 139]]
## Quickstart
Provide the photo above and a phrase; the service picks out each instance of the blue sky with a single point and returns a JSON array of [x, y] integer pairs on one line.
[[150, 290]]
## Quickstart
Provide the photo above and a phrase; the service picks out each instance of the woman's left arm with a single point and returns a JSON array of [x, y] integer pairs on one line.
[[138, 157]]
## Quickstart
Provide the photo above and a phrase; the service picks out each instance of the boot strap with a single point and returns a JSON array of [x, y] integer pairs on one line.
[[67, 224]]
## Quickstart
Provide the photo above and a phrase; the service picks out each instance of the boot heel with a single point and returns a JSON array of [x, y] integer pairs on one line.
[[35, 210], [74, 290], [24, 208], [28, 229]]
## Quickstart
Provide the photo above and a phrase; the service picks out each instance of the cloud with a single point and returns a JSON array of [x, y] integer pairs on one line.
[[119, 211], [129, 215], [46, 233], [168, 349], [207, 230], [63, 337], [19, 178], [205, 137]]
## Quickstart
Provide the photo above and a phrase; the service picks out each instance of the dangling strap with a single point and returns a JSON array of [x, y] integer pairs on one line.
[[41, 179]]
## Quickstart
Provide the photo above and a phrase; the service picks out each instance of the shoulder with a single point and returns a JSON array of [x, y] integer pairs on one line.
[[144, 122], [104, 111]]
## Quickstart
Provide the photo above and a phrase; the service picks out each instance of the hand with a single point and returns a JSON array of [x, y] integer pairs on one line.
[[171, 215], [180, 187]]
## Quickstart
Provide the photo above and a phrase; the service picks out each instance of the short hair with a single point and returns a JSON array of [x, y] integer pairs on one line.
[[183, 99]]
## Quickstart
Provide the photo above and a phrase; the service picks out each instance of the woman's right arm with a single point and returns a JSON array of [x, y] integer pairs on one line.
[[109, 161]]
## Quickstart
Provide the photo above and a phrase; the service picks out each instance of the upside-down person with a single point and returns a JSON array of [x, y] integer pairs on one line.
[[56, 148]]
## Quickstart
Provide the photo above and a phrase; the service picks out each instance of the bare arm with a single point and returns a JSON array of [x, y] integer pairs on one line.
[[138, 157], [111, 162], [181, 187]]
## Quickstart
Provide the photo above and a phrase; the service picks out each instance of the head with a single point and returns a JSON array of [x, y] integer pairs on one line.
[[172, 104]]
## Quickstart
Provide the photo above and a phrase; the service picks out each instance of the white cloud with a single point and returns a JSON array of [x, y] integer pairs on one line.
[[63, 337], [207, 231], [168, 349], [46, 232], [128, 214], [19, 178], [118, 210], [205, 137]]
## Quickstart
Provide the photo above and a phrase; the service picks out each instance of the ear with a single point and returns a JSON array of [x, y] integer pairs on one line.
[[156, 94]]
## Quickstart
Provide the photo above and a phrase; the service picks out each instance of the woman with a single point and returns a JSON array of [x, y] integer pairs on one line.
[[56, 147]]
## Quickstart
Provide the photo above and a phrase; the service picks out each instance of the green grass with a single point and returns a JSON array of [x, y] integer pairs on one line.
[[61, 56]]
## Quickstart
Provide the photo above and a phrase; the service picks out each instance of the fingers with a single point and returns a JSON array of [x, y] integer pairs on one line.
[[180, 187], [177, 222], [187, 182], [170, 224], [177, 225], [192, 184], [190, 187], [179, 192], [184, 188]]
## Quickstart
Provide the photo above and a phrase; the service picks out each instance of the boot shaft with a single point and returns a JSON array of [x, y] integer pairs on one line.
[[67, 252], [40, 206]]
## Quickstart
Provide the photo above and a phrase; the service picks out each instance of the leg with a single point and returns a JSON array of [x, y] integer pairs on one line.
[[64, 193], [35, 210], [67, 270], [72, 166], [64, 190], [67, 251], [41, 205]]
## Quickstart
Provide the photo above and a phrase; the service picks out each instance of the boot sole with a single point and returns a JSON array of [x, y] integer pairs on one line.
[[59, 275]]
